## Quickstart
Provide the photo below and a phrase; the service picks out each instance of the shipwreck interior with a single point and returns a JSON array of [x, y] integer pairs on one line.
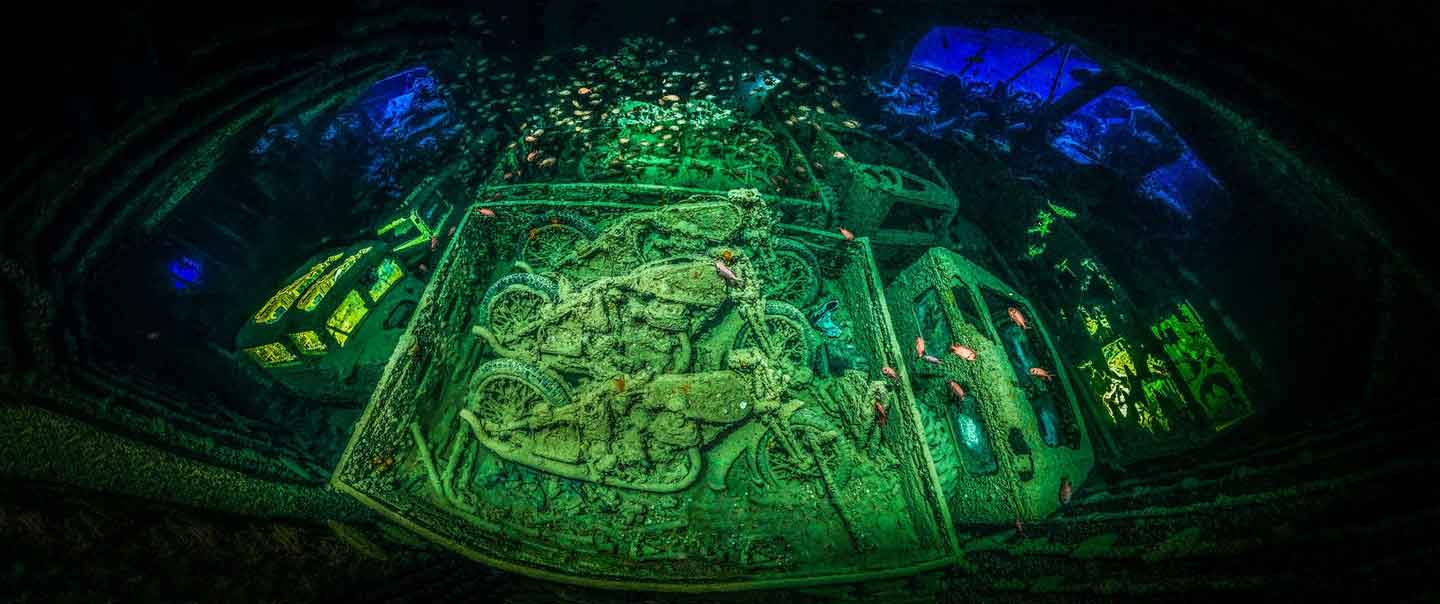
[[718, 301]]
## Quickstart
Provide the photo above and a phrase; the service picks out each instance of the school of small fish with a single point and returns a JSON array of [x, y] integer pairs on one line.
[[584, 98]]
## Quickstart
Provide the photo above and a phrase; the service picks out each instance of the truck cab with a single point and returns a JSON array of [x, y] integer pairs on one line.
[[1005, 429], [327, 332]]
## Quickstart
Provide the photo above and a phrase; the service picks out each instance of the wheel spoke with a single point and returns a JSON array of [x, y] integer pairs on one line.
[[505, 400], [510, 310]]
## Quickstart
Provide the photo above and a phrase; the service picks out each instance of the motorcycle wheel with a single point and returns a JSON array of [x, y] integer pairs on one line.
[[778, 468], [789, 332], [552, 236], [792, 277], [515, 300], [504, 391]]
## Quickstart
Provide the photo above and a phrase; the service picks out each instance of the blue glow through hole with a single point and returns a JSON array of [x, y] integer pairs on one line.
[[185, 273]]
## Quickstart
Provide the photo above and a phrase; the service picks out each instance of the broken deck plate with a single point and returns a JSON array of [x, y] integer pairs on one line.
[[628, 429]]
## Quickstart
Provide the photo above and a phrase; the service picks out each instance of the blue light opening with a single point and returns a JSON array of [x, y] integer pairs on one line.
[[1026, 63], [185, 273], [1120, 131]]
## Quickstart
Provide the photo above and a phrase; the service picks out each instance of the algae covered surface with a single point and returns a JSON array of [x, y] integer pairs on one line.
[[647, 410]]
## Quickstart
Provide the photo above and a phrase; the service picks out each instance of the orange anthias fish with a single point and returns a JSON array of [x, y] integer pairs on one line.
[[1018, 318], [919, 347], [1066, 491], [957, 391], [844, 232], [486, 212], [1042, 374], [962, 351], [881, 413], [434, 242], [890, 373]]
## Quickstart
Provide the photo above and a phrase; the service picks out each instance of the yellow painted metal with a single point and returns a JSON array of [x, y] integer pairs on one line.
[[346, 316], [403, 224], [273, 354], [308, 342], [276, 306], [316, 293], [386, 276]]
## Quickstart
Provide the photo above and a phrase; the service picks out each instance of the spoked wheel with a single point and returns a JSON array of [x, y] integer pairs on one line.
[[514, 301], [817, 441], [789, 334], [504, 392], [551, 237], [792, 276]]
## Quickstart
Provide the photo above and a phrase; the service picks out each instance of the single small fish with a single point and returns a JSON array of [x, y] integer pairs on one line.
[[434, 242], [881, 414], [1042, 374], [844, 232], [890, 373], [1018, 318], [931, 359], [838, 155], [957, 390], [450, 233], [725, 273], [153, 336], [919, 346], [423, 269], [670, 97], [851, 124], [547, 162], [1066, 491], [962, 351], [486, 212], [583, 91]]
